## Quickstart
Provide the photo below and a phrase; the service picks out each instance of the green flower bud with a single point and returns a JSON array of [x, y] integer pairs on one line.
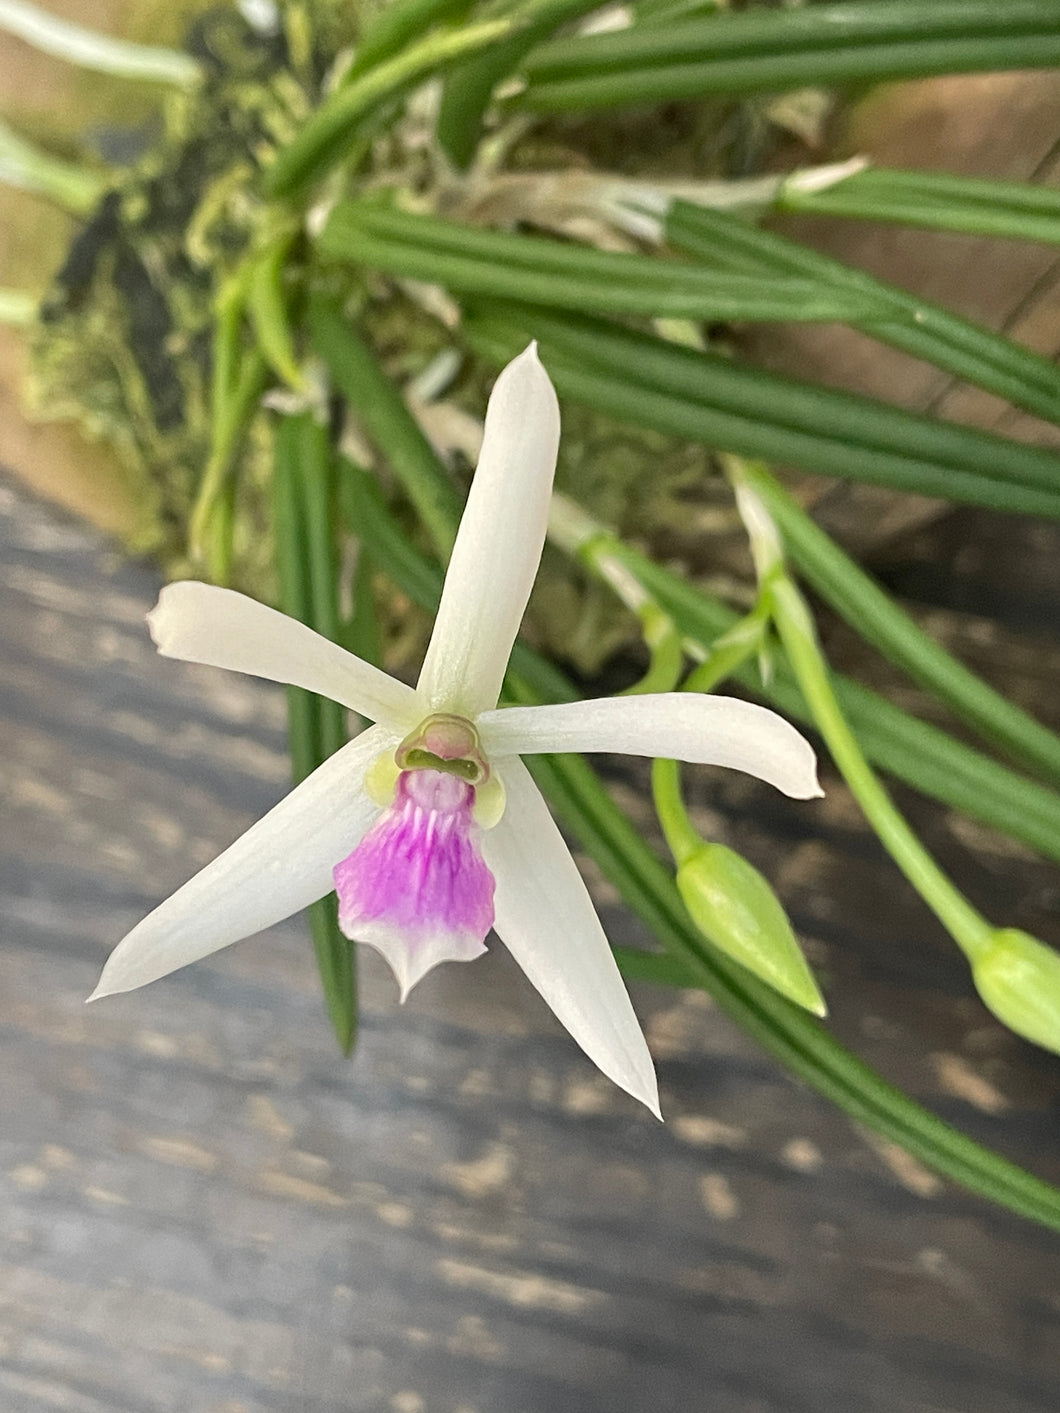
[[736, 909], [1018, 978]]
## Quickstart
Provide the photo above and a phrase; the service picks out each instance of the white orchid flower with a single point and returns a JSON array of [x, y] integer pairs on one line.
[[428, 824]]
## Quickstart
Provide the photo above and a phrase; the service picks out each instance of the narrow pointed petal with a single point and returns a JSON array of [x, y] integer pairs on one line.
[[281, 864], [218, 627], [688, 726], [545, 917], [498, 546]]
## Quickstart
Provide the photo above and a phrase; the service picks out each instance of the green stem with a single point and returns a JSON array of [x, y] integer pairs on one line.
[[295, 595], [325, 138], [657, 967], [968, 928], [935, 201], [682, 837], [567, 276], [772, 50], [267, 302], [758, 73], [468, 88], [728, 653], [231, 417], [825, 28], [315, 477], [395, 25]]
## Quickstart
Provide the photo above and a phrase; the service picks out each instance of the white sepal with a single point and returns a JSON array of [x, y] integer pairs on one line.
[[203, 623], [281, 864], [498, 546], [546, 919], [688, 726]]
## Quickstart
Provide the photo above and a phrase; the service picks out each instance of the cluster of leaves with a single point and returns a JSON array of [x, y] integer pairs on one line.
[[377, 183]]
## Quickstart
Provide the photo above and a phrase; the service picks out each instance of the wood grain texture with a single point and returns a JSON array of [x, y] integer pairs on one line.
[[206, 1210]]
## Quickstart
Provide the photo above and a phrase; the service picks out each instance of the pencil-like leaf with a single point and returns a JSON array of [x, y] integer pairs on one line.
[[563, 275], [767, 50], [703, 397]]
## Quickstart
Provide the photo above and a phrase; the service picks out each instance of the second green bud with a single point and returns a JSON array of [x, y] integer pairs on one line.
[[736, 909]]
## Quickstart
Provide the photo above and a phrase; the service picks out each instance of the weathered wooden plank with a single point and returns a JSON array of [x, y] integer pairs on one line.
[[205, 1208]]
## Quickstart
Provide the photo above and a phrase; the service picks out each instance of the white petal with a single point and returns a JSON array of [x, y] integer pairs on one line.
[[688, 726], [545, 917], [218, 627], [498, 546], [281, 864]]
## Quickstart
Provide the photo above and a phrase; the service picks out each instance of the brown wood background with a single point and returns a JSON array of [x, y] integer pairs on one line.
[[206, 1210]]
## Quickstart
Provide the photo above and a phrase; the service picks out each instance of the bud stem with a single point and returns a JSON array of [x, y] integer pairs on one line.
[[971, 931], [726, 655]]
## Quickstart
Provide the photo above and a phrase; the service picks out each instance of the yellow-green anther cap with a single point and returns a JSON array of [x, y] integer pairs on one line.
[[736, 909], [1018, 978]]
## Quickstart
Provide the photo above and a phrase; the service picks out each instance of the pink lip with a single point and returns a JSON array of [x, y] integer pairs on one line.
[[416, 886]]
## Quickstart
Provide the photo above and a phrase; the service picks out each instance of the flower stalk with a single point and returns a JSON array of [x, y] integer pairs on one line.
[[798, 636]]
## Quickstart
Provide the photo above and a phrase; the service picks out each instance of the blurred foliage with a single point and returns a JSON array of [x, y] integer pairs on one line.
[[123, 344]]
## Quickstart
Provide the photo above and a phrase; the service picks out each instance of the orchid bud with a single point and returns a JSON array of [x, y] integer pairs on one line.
[[1018, 978], [736, 909]]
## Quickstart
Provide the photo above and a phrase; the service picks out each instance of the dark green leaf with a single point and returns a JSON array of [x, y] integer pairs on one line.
[[316, 728], [776, 49], [923, 329], [937, 201], [563, 275], [385, 417], [703, 397]]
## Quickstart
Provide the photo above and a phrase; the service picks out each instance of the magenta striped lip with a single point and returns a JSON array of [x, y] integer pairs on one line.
[[416, 886]]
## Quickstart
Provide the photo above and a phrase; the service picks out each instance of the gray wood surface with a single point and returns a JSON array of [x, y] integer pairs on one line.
[[206, 1210]]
